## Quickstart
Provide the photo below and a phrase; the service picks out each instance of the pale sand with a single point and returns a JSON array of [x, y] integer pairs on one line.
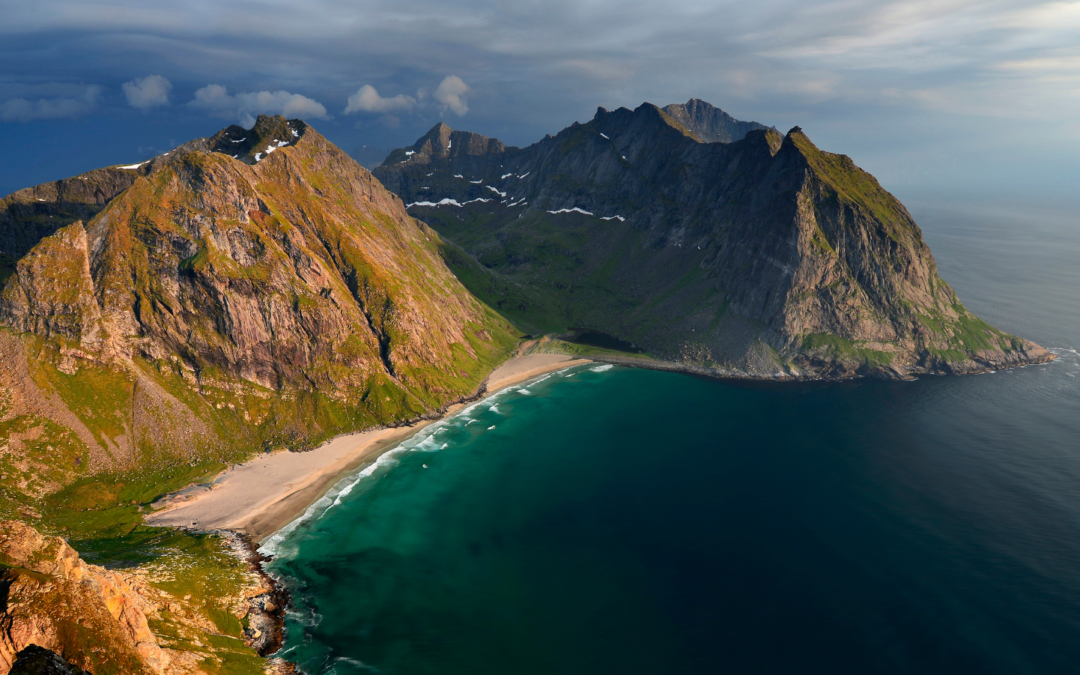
[[262, 495]]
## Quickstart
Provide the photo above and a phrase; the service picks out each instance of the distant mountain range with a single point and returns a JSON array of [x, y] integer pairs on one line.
[[715, 245], [369, 156]]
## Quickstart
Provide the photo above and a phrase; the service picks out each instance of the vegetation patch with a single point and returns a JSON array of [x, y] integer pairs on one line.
[[838, 347]]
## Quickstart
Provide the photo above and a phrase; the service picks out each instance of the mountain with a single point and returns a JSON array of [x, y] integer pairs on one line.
[[257, 288], [369, 156], [762, 257], [710, 124]]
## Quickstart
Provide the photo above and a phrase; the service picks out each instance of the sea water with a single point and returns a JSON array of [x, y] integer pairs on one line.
[[609, 520]]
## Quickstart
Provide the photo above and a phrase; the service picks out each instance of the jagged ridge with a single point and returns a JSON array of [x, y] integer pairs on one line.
[[762, 257]]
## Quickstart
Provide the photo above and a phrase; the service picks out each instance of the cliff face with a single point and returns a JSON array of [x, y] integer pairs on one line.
[[257, 287], [52, 599], [764, 256], [176, 614]]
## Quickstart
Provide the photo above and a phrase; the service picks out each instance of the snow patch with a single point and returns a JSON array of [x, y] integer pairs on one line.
[[505, 176], [526, 174], [447, 202], [573, 210], [501, 194], [477, 182], [410, 153], [444, 202], [458, 175], [133, 166], [604, 135], [618, 218]]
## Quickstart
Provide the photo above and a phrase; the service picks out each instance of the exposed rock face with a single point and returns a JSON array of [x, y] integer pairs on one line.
[[35, 660], [764, 257], [52, 292], [29, 215], [52, 599], [710, 124]]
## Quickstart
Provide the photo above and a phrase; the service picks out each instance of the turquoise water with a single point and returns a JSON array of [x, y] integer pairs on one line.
[[608, 520]]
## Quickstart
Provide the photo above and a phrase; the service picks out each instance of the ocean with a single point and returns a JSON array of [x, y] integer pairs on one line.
[[611, 520]]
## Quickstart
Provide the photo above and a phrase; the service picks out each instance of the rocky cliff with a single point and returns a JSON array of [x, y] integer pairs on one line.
[[162, 617], [761, 257], [52, 599]]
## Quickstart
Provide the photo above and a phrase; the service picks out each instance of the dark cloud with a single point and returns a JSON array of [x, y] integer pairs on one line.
[[880, 79], [20, 109]]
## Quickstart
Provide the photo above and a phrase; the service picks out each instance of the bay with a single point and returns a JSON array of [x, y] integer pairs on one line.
[[608, 520]]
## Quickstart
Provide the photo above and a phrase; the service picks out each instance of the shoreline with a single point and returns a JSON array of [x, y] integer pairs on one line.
[[733, 375], [259, 497]]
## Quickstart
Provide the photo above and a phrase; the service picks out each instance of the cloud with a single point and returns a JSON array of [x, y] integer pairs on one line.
[[147, 92], [366, 99], [26, 110], [215, 99], [451, 93]]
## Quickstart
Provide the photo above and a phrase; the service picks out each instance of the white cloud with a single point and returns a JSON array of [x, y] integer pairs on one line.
[[451, 93], [26, 110], [367, 99], [147, 92], [216, 100]]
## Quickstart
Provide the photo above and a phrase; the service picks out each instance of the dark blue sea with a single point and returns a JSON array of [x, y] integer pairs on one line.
[[609, 520]]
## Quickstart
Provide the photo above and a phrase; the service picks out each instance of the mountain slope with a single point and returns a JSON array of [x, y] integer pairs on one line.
[[710, 124], [763, 257], [257, 288]]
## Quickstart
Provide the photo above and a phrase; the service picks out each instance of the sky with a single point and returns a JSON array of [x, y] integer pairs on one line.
[[940, 100]]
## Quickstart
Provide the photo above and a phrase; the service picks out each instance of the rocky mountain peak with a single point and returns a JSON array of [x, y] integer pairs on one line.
[[261, 262], [269, 134], [708, 123], [713, 242]]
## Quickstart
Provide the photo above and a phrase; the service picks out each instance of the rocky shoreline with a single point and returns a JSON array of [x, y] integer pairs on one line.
[[836, 373]]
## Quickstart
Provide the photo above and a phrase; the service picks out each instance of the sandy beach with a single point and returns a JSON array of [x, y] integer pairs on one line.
[[262, 495]]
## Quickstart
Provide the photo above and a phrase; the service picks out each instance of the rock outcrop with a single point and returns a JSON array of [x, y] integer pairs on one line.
[[761, 257], [52, 599], [52, 291], [35, 660]]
